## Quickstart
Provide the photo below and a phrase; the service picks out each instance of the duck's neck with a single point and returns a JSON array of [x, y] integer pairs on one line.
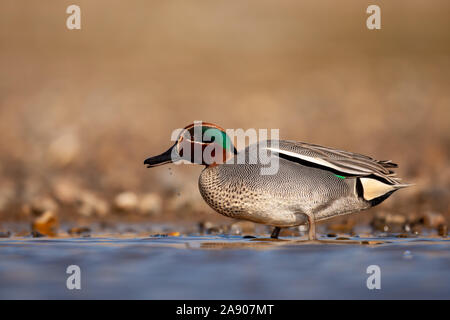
[[214, 155]]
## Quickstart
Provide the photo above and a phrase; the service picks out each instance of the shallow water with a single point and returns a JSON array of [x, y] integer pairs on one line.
[[224, 267]]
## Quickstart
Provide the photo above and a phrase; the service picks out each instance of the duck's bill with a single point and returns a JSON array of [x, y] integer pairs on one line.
[[167, 157]]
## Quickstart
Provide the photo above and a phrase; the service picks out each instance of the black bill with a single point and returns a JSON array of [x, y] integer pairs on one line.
[[166, 157]]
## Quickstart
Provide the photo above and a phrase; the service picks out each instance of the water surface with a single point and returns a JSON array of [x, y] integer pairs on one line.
[[224, 267]]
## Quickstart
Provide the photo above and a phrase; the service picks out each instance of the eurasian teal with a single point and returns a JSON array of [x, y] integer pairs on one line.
[[312, 183]]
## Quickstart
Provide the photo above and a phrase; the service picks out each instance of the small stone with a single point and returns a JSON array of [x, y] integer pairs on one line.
[[7, 194], [4, 234], [378, 223], [40, 205], [407, 228], [371, 242], [442, 230], [78, 230], [90, 204], [22, 234], [434, 220], [37, 234], [403, 235], [331, 235], [126, 201], [204, 225], [345, 227], [65, 191], [129, 230], [288, 232], [64, 148], [416, 229], [303, 228], [150, 204], [388, 222], [159, 235], [46, 224], [395, 219], [207, 227], [241, 227]]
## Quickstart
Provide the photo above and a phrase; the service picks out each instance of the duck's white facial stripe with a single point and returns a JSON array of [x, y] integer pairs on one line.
[[318, 161]]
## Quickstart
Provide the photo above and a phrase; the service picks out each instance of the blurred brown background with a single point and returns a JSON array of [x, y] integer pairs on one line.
[[81, 109]]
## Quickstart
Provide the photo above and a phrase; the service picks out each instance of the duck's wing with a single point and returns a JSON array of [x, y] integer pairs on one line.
[[341, 162]]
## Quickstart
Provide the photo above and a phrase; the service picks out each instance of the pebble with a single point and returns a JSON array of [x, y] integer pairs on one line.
[[303, 228], [150, 204], [288, 232], [206, 227], [388, 222], [64, 148], [22, 234], [90, 204], [433, 219], [40, 205], [402, 235], [46, 224], [126, 201], [79, 230], [442, 230], [371, 242], [37, 234], [345, 227], [241, 227], [4, 234], [66, 192], [7, 194]]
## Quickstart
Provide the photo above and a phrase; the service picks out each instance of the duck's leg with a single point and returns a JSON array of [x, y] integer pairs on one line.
[[312, 227], [275, 233]]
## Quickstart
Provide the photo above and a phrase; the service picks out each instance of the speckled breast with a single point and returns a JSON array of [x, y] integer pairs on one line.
[[232, 191]]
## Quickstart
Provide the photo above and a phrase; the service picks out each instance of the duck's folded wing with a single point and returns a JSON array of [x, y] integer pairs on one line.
[[341, 162]]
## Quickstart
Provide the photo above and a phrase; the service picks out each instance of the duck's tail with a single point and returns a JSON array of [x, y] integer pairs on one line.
[[374, 188]]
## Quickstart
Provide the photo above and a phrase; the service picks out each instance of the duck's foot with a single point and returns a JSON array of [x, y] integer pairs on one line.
[[312, 228], [275, 233]]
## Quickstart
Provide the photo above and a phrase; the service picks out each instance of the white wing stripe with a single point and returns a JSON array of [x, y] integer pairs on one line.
[[314, 160]]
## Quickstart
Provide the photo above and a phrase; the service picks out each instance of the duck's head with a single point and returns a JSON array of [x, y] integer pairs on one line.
[[199, 143]]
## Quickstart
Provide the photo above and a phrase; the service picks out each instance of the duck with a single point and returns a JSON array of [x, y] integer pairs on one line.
[[309, 183]]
